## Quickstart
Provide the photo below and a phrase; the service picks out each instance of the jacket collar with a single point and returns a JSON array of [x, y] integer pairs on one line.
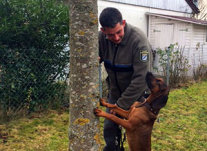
[[126, 34]]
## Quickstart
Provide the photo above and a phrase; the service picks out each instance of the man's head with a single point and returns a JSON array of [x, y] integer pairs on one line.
[[112, 24]]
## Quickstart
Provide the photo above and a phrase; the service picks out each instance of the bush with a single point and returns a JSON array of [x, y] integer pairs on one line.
[[173, 61], [33, 58], [200, 72]]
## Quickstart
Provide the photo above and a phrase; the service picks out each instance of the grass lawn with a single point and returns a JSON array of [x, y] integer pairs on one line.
[[39, 132], [181, 126], [182, 123]]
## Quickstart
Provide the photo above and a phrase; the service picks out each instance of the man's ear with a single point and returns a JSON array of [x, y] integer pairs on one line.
[[102, 29], [124, 22]]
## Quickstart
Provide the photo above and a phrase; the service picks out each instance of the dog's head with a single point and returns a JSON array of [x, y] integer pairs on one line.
[[159, 91]]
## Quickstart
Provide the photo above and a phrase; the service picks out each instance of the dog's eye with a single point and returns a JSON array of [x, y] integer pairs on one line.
[[162, 86], [158, 80]]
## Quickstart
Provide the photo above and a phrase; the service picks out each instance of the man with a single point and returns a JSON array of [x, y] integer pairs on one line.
[[125, 52]]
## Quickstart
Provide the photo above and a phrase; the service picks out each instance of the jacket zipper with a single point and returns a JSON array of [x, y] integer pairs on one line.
[[115, 73]]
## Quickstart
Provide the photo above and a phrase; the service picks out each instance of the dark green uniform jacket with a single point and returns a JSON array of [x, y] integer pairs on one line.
[[126, 64]]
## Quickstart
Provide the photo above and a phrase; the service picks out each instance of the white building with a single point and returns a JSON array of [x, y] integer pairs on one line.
[[166, 22]]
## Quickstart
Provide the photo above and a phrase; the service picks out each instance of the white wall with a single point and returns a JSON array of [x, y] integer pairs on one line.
[[199, 46], [190, 37], [132, 14], [174, 5], [164, 32], [135, 15]]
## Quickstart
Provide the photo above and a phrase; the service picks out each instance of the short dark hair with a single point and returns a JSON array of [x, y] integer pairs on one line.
[[109, 17]]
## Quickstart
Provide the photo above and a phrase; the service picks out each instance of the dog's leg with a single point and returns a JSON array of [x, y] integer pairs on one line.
[[115, 108], [124, 123]]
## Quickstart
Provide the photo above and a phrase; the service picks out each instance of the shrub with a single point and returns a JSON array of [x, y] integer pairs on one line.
[[200, 72], [34, 35], [172, 60]]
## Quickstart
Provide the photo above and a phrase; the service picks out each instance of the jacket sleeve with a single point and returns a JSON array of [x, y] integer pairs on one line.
[[137, 86]]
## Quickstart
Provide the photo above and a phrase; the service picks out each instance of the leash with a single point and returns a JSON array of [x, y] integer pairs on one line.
[[122, 142], [101, 95], [100, 82]]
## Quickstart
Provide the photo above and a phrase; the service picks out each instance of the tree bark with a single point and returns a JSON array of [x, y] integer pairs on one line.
[[83, 129]]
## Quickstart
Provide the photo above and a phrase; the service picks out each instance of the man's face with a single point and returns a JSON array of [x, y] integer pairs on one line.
[[115, 34]]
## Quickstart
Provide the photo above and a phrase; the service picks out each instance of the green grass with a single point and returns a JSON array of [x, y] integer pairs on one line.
[[42, 132], [181, 126], [182, 123]]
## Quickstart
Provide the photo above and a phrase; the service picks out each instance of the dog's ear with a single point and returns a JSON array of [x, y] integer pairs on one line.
[[149, 79]]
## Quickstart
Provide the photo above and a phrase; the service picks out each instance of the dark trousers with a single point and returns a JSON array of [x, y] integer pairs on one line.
[[112, 135]]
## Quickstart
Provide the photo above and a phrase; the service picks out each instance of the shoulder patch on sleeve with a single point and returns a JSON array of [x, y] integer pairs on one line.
[[144, 55]]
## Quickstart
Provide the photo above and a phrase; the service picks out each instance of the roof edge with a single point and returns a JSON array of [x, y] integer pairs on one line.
[[180, 18]]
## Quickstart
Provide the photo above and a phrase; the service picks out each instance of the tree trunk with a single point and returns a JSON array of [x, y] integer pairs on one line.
[[83, 129]]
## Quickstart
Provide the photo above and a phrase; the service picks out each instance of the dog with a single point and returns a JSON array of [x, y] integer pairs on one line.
[[139, 119]]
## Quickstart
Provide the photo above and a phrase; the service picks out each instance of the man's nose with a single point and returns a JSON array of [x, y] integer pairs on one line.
[[116, 37]]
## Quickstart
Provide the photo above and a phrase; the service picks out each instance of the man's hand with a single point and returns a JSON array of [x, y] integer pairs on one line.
[[100, 60], [112, 112]]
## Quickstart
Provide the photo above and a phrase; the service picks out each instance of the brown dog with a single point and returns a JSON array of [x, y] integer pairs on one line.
[[139, 120]]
